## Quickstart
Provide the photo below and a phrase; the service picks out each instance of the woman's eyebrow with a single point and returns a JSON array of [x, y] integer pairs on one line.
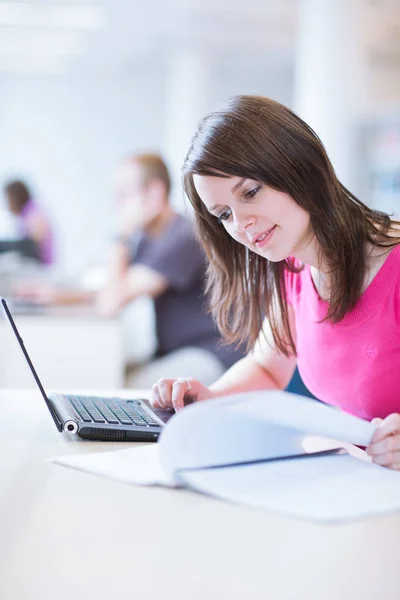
[[238, 185], [233, 190]]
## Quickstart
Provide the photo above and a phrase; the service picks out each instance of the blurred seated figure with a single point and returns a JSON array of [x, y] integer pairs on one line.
[[154, 255], [157, 255], [34, 238]]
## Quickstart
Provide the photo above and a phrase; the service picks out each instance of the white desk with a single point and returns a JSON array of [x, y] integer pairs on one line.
[[65, 534]]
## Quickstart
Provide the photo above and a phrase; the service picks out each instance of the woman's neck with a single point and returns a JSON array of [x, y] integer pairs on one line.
[[310, 253], [374, 259]]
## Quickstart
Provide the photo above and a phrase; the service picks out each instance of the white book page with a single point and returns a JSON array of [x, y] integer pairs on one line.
[[252, 426], [307, 416], [326, 488], [140, 465]]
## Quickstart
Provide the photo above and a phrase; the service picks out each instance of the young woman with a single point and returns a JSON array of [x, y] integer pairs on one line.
[[286, 240], [35, 233]]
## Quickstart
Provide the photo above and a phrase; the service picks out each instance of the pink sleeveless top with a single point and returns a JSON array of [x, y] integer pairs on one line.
[[353, 364]]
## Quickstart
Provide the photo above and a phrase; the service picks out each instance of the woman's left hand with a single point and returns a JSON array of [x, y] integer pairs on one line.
[[384, 448]]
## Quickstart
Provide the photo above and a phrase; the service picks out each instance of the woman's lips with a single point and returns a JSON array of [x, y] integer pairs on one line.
[[265, 238]]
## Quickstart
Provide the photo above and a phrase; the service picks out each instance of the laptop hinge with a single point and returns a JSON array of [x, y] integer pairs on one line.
[[64, 412]]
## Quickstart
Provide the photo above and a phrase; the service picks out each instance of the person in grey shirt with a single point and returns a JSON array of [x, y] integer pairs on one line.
[[156, 254]]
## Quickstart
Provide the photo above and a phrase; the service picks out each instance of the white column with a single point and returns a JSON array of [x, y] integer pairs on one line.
[[329, 78], [186, 103]]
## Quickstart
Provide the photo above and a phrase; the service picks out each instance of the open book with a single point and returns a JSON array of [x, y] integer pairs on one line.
[[268, 450]]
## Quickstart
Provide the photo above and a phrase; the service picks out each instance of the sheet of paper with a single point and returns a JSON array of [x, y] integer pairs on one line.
[[140, 465], [327, 489], [251, 426], [306, 415]]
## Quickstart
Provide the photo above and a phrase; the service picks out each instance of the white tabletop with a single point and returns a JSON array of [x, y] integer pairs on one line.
[[66, 534]]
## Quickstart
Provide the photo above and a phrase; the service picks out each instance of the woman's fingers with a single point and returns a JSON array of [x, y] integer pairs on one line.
[[386, 452], [179, 388], [165, 392], [388, 426], [155, 399], [161, 393], [175, 393], [384, 448], [389, 444], [389, 459]]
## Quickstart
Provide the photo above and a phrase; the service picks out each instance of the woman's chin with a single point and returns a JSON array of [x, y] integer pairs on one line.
[[272, 254]]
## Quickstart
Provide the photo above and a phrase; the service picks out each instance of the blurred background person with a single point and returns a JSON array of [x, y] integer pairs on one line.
[[157, 255], [34, 238], [154, 255]]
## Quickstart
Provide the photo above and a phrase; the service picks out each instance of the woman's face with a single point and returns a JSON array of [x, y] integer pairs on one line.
[[268, 222]]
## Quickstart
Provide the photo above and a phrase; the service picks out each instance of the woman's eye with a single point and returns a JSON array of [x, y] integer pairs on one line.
[[251, 193], [224, 216]]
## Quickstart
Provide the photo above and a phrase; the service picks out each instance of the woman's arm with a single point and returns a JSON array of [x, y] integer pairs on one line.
[[263, 369], [37, 229], [108, 298]]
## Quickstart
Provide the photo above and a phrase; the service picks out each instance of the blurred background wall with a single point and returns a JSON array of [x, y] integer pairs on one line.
[[84, 84], [65, 134]]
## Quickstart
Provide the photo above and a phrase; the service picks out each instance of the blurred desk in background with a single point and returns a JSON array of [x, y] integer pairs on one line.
[[69, 347]]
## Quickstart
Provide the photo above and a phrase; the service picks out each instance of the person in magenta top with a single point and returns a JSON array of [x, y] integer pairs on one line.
[[287, 241], [35, 233]]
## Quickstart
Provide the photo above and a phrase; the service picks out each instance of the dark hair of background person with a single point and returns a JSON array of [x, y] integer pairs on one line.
[[257, 138], [152, 167], [17, 194]]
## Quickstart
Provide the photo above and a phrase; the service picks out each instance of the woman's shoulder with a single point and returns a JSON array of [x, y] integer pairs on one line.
[[393, 261], [384, 257], [391, 271], [37, 220]]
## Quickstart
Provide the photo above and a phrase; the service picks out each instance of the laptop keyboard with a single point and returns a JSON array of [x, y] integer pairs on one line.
[[99, 410]]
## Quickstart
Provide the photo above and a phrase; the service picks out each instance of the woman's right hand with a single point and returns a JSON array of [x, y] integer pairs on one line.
[[170, 393]]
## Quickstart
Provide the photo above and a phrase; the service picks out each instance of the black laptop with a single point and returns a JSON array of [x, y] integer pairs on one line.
[[98, 418]]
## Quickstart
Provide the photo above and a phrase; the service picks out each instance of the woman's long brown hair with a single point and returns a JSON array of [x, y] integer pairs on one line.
[[259, 139]]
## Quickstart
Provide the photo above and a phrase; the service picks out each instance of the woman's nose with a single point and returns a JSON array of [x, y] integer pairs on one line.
[[241, 222]]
